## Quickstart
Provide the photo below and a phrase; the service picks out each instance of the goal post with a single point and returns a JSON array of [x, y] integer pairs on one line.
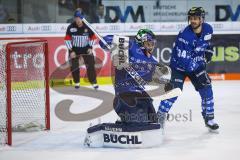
[[24, 87]]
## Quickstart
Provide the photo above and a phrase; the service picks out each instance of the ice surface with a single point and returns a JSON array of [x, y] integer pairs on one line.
[[185, 138]]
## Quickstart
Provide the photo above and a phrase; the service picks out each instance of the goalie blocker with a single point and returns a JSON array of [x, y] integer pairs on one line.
[[122, 135]]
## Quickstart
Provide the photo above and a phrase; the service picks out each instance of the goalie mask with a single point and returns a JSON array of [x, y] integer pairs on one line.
[[146, 39]]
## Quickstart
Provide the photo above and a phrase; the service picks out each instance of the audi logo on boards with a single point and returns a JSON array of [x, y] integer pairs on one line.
[[11, 28], [46, 28], [114, 27]]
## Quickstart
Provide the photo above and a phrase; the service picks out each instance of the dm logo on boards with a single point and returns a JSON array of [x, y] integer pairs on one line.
[[225, 12], [123, 17]]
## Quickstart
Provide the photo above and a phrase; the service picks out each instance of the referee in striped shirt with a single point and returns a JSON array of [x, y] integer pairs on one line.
[[79, 40]]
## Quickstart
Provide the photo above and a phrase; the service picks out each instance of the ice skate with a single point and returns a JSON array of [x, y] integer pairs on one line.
[[77, 86], [95, 86], [212, 125]]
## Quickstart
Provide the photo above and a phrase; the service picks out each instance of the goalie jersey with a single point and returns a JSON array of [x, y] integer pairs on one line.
[[142, 64]]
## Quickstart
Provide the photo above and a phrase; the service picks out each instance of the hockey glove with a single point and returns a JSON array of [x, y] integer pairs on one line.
[[192, 66], [208, 54]]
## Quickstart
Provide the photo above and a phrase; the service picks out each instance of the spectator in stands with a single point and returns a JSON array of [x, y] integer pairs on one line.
[[3, 14]]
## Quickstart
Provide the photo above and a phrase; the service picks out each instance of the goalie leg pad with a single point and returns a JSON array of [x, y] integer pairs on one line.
[[124, 135]]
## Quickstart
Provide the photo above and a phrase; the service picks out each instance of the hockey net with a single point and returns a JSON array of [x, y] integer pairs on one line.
[[24, 91]]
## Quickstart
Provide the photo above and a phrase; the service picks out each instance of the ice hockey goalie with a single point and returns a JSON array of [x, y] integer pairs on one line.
[[135, 67]]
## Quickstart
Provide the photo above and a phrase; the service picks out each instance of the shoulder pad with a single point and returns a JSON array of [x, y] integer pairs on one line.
[[208, 28]]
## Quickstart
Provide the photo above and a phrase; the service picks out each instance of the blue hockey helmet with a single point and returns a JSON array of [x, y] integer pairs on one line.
[[79, 13]]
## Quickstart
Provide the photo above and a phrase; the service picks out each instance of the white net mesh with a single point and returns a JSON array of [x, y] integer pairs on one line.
[[3, 96], [28, 88]]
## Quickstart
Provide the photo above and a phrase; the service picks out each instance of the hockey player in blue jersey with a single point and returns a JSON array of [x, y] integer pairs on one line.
[[192, 51], [131, 101]]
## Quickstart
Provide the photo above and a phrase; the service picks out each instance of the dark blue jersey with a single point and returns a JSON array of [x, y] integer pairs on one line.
[[141, 63], [189, 48]]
